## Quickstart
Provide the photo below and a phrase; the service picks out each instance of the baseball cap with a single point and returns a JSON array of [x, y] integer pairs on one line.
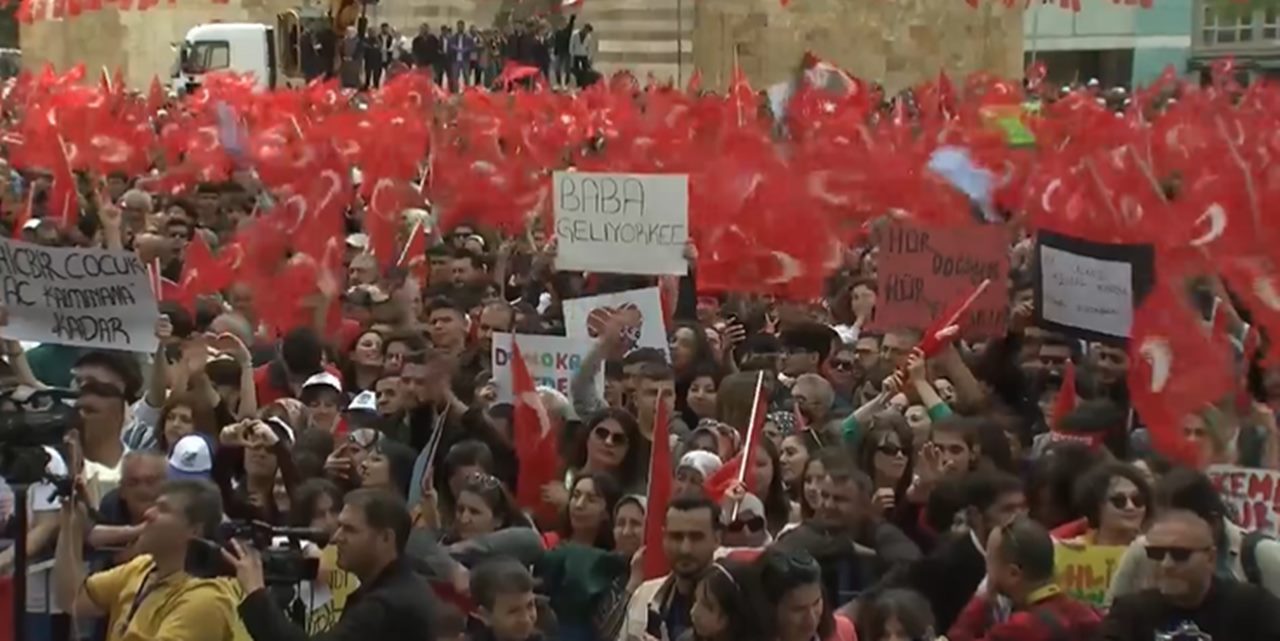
[[365, 401], [324, 378], [191, 458], [358, 241], [705, 463]]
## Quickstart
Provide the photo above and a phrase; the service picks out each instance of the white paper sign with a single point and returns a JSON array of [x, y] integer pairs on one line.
[[642, 308], [552, 362], [1086, 292], [72, 296], [621, 223]]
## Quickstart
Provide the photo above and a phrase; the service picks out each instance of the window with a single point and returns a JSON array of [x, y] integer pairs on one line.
[[202, 57], [1270, 24], [1218, 29]]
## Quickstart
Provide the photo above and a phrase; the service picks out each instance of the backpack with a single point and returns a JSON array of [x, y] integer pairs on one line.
[[1249, 556]]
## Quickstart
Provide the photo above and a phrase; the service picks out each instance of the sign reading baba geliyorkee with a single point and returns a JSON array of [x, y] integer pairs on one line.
[[76, 296], [621, 223]]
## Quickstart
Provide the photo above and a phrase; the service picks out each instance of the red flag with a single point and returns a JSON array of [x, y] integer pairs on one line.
[[936, 337], [64, 203], [534, 439], [155, 96], [660, 477], [741, 468], [669, 295], [1177, 370], [1066, 401]]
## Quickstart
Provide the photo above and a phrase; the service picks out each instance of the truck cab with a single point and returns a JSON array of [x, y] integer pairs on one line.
[[236, 47]]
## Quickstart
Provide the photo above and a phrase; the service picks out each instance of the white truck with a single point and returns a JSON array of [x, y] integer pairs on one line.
[[273, 54]]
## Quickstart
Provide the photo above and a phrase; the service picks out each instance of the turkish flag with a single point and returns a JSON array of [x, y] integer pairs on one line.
[[733, 469], [64, 200], [535, 442], [661, 475]]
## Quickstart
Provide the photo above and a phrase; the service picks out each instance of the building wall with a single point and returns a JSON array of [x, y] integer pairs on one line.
[[1159, 36], [898, 43]]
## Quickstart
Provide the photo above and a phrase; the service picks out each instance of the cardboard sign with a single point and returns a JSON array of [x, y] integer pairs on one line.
[[552, 362], [621, 223], [1252, 496], [642, 309], [923, 271], [73, 296], [1090, 290], [1085, 572], [326, 597]]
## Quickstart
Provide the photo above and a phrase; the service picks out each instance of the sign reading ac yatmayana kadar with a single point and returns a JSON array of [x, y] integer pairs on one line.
[[75, 296]]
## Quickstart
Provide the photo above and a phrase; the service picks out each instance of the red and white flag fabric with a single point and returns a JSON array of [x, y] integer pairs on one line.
[[535, 441], [661, 476], [741, 468]]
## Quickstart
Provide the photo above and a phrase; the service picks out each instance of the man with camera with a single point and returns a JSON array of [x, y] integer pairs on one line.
[[155, 595], [392, 602]]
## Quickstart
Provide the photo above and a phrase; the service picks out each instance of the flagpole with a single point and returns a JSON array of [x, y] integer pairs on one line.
[[746, 453], [408, 242]]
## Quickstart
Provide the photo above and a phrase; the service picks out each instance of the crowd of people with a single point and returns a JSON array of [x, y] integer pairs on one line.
[[462, 55], [894, 493]]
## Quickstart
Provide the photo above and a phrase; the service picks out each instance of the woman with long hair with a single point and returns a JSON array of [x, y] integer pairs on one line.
[[484, 507], [768, 483], [183, 414], [364, 364], [252, 454], [797, 450], [588, 519], [389, 467], [689, 347], [696, 394], [793, 605], [435, 509], [724, 607], [886, 453]]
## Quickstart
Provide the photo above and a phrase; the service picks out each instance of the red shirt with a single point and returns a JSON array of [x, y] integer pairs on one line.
[[1057, 617]]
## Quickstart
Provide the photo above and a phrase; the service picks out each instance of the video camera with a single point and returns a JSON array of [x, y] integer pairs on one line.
[[29, 423], [283, 562]]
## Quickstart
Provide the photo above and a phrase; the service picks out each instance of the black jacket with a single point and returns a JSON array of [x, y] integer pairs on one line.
[[1230, 611], [398, 605], [562, 36], [948, 577]]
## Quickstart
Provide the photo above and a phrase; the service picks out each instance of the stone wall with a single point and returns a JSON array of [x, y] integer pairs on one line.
[[895, 42]]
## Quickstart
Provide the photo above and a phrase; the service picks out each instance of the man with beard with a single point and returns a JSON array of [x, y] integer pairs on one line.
[[661, 607]]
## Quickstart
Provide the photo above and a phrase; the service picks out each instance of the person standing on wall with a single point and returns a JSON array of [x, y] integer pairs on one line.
[[582, 48]]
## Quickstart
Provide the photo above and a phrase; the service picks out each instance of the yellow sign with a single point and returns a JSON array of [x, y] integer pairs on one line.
[[1085, 571], [334, 583]]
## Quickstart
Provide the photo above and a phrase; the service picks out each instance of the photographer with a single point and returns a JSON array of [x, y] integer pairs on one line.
[[391, 603], [153, 596]]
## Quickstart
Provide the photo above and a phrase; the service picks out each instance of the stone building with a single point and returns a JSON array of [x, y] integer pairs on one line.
[[895, 42]]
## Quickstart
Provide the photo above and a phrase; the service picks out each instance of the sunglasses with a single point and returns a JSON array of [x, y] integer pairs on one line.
[[608, 436], [1179, 555], [842, 366], [1121, 501], [889, 449], [753, 524]]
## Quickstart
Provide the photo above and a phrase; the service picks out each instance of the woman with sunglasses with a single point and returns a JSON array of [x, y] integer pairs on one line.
[[887, 455], [609, 445], [1114, 499]]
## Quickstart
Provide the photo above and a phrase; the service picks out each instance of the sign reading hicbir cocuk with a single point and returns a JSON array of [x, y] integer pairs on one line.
[[75, 296]]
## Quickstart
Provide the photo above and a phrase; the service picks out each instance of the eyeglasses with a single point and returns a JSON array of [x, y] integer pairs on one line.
[[752, 524], [1179, 555], [842, 366], [1121, 501], [609, 436], [889, 449]]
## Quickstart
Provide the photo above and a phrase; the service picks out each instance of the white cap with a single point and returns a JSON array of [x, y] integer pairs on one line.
[[703, 461], [358, 241], [326, 379], [191, 458], [365, 401]]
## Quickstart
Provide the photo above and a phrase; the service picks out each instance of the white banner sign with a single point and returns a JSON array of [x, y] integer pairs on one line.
[[73, 296], [621, 223], [552, 362], [641, 309]]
